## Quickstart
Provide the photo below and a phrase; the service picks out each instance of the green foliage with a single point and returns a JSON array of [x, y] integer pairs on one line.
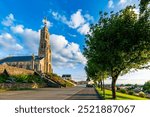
[[128, 84], [142, 94], [143, 5], [21, 79], [3, 78], [118, 43], [131, 92], [146, 87], [135, 86], [123, 91]]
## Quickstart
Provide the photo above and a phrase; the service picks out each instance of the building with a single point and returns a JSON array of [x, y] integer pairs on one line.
[[67, 76], [41, 63]]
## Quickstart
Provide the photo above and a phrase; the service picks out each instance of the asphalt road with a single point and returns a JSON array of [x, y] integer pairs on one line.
[[86, 94], [74, 93]]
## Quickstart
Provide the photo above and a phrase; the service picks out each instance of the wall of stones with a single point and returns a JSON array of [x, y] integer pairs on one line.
[[14, 70], [21, 85]]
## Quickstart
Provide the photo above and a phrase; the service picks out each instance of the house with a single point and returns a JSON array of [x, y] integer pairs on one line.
[[66, 76]]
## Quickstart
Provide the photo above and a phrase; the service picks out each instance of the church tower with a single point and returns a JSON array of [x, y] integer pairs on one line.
[[44, 48]]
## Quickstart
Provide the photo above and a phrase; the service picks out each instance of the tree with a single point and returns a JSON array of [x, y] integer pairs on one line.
[[146, 87], [143, 5], [119, 43], [94, 73]]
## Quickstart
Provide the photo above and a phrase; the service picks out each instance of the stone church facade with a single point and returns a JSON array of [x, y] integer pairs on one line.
[[41, 63]]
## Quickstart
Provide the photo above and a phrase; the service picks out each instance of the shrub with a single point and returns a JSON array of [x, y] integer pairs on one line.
[[142, 94], [146, 87], [147, 91], [3, 78], [28, 79], [131, 92], [123, 91]]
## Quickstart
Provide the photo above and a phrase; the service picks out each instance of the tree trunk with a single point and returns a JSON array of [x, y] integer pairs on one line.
[[101, 85], [113, 86], [103, 89]]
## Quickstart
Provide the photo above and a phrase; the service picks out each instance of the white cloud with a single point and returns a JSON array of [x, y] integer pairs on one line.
[[8, 21], [65, 53], [7, 42], [62, 18], [6, 36], [49, 24], [29, 37], [77, 20], [137, 11], [122, 2], [110, 4], [58, 42], [17, 29], [18, 46], [89, 17], [84, 29]]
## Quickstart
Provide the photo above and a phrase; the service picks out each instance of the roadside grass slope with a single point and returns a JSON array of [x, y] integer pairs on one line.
[[61, 81], [120, 96]]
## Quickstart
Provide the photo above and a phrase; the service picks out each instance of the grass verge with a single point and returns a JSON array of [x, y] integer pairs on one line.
[[120, 96], [60, 80]]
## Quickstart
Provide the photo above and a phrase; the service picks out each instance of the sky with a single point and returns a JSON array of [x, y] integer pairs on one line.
[[68, 22]]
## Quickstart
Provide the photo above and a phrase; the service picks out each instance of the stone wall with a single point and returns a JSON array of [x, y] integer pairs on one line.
[[14, 70], [21, 85]]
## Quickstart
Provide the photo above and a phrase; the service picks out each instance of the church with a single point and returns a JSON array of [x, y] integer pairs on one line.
[[41, 63]]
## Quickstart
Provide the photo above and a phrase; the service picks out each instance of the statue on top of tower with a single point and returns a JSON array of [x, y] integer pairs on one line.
[[45, 21]]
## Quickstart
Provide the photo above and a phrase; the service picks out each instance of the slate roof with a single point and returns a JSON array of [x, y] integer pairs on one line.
[[18, 59], [66, 75]]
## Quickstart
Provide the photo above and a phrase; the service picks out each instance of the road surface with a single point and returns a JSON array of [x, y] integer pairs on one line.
[[73, 93], [86, 94]]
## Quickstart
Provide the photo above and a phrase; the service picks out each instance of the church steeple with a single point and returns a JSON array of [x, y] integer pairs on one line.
[[45, 21], [44, 47], [44, 40]]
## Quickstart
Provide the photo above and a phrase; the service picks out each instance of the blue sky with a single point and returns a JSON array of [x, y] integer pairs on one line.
[[68, 21]]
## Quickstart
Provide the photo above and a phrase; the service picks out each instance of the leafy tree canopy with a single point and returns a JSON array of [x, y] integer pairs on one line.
[[120, 42]]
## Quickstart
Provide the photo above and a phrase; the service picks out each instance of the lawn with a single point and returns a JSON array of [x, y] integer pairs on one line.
[[120, 96]]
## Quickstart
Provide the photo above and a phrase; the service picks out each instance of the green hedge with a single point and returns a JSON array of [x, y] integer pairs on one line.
[[21, 79], [3, 78]]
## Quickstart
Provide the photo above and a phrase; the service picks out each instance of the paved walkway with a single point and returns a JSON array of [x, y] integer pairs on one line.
[[86, 94], [51, 94]]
